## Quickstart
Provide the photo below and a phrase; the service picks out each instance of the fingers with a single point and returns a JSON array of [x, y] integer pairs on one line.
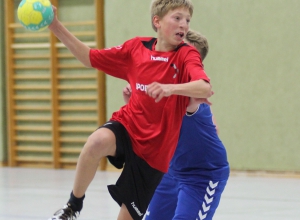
[[159, 97], [129, 91], [128, 87], [156, 94], [212, 92], [208, 102], [54, 10], [157, 91]]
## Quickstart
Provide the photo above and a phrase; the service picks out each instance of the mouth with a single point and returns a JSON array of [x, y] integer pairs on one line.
[[180, 34]]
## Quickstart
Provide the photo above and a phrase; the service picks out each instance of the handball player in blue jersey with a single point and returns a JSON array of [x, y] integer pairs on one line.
[[199, 169]]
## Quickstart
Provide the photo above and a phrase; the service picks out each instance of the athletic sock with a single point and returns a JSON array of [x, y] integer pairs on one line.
[[75, 203]]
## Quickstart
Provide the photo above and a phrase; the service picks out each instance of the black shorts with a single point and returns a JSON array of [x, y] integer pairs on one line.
[[138, 181]]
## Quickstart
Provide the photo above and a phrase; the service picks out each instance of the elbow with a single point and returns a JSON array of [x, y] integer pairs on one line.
[[87, 65], [84, 58], [207, 90]]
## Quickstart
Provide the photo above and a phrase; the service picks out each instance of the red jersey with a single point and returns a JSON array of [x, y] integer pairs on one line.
[[153, 127]]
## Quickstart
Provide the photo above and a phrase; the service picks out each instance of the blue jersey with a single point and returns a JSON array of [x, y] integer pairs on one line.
[[197, 175], [200, 152]]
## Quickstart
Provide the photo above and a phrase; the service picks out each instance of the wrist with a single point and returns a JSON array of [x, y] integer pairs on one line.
[[172, 89], [54, 24], [192, 108]]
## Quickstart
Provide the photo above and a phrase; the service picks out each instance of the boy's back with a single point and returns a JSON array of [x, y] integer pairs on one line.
[[200, 151]]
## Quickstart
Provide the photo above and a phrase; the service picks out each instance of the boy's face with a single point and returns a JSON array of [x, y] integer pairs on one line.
[[174, 26]]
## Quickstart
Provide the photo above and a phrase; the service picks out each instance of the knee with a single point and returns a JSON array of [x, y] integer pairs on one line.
[[99, 144]]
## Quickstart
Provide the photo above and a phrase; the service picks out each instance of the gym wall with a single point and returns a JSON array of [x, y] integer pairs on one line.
[[254, 67], [253, 64], [3, 148]]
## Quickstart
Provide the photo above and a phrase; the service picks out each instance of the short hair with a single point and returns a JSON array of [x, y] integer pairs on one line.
[[162, 7], [199, 41]]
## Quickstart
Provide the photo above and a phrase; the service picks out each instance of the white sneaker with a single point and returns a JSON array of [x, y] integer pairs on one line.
[[66, 213]]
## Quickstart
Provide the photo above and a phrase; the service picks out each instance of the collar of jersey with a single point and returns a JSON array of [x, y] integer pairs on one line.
[[155, 42]]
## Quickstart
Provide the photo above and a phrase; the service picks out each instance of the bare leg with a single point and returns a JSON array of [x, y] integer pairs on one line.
[[124, 214], [99, 144]]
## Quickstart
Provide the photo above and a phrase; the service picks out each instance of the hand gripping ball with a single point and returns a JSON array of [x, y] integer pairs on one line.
[[35, 15]]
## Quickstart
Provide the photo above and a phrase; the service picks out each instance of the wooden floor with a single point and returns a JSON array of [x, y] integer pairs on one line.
[[29, 194]]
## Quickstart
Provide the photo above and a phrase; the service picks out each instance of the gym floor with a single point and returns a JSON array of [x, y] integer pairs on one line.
[[28, 194]]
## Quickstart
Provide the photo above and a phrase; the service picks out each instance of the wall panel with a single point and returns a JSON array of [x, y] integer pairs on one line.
[[54, 102], [254, 66], [253, 63], [3, 146]]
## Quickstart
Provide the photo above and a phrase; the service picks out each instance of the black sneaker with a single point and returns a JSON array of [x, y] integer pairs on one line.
[[66, 213]]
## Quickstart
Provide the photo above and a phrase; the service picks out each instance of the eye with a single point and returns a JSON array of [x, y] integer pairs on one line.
[[188, 20]]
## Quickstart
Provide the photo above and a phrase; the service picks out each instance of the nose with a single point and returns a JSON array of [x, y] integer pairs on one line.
[[184, 24]]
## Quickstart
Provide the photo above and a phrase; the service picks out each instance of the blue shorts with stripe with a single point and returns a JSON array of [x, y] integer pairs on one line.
[[174, 199]]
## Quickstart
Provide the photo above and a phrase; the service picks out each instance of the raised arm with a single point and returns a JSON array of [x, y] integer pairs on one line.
[[76, 47]]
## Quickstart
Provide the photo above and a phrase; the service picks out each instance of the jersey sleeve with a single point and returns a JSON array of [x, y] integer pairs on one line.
[[195, 67], [113, 61]]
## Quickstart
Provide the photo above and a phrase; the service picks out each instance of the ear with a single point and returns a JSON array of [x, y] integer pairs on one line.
[[156, 21]]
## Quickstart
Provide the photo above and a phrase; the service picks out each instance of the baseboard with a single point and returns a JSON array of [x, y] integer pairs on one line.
[[275, 174], [3, 164]]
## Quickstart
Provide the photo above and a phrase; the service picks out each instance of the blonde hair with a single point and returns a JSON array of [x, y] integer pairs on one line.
[[199, 41], [161, 7]]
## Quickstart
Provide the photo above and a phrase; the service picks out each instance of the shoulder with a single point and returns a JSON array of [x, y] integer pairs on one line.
[[204, 108], [144, 38], [188, 49], [188, 52], [183, 47], [142, 41]]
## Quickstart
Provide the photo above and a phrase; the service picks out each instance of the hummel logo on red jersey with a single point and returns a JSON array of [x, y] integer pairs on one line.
[[164, 59]]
